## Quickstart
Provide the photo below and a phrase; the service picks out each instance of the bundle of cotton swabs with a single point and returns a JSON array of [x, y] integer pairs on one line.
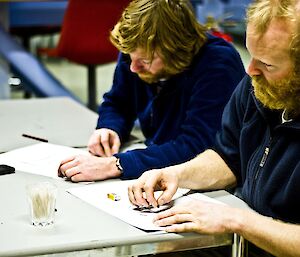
[[41, 203]]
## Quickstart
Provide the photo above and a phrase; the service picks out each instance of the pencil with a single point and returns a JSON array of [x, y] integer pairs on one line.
[[35, 138]]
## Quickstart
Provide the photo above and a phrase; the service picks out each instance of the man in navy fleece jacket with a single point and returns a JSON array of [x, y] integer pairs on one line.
[[174, 78], [257, 148]]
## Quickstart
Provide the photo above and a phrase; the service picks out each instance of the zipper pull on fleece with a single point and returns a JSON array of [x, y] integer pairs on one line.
[[264, 158]]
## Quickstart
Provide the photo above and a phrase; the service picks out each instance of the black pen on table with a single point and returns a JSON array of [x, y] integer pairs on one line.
[[35, 138]]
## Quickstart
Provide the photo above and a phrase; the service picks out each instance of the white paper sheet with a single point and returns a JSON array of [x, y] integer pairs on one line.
[[96, 195], [41, 159]]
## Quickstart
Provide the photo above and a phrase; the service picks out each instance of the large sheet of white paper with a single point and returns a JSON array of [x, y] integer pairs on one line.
[[41, 159], [96, 195]]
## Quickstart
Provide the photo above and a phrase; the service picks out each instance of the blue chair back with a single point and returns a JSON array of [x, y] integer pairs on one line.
[[30, 14]]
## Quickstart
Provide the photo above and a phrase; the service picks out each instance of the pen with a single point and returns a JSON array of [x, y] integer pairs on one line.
[[35, 138]]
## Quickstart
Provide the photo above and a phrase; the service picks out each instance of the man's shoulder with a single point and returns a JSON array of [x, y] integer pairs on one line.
[[217, 44], [218, 53]]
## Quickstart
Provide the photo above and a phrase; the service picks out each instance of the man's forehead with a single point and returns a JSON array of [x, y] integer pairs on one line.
[[277, 36], [297, 6], [139, 53]]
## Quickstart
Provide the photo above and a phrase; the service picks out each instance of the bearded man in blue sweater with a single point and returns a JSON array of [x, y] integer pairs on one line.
[[171, 76]]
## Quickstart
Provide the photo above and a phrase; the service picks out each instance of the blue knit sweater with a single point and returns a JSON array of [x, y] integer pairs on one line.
[[182, 119]]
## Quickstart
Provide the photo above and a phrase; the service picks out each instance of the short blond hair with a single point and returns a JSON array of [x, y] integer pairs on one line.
[[166, 26], [261, 12]]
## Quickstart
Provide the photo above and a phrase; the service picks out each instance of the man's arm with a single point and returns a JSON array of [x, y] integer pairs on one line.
[[192, 133], [206, 171], [209, 171], [274, 236], [117, 112]]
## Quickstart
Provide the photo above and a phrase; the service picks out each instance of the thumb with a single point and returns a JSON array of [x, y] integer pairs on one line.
[[167, 195]]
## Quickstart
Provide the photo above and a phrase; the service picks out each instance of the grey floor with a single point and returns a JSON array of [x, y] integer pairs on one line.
[[74, 76]]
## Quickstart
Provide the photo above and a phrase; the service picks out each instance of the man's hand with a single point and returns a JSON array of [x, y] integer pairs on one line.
[[104, 142], [88, 168], [141, 193], [196, 216]]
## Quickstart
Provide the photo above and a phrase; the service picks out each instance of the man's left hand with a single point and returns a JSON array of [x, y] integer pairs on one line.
[[88, 168], [196, 216]]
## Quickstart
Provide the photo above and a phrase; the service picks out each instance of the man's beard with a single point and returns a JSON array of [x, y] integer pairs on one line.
[[153, 78], [283, 94]]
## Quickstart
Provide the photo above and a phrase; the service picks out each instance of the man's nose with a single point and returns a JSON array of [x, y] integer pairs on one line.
[[136, 66], [253, 68]]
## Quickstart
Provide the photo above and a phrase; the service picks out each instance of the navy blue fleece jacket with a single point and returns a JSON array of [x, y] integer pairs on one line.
[[263, 153], [182, 119]]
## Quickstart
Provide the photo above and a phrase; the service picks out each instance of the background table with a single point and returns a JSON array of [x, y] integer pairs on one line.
[[60, 120]]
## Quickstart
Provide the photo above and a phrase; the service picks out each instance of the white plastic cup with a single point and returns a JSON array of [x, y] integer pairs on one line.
[[42, 201]]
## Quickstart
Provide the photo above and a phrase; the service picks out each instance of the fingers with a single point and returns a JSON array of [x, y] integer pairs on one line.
[[167, 194], [70, 170], [171, 216], [66, 160], [175, 220], [135, 195], [116, 143], [157, 179], [94, 145], [110, 142], [104, 142], [64, 165], [96, 150], [141, 193], [149, 193], [78, 177], [183, 227], [69, 167]]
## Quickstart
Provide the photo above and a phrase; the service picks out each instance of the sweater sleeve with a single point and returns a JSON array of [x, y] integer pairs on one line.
[[203, 118], [117, 111]]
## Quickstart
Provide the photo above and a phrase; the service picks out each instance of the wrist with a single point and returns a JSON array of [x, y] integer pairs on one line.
[[236, 220], [179, 172], [117, 167]]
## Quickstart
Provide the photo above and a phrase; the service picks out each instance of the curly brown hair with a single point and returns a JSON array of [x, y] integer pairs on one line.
[[168, 27]]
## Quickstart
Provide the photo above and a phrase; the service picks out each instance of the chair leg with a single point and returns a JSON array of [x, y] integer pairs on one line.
[[27, 94], [92, 94]]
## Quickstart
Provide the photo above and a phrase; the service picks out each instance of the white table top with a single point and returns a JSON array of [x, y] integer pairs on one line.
[[80, 229], [60, 120]]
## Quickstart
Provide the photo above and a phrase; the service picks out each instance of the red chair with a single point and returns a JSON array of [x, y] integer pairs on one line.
[[84, 37]]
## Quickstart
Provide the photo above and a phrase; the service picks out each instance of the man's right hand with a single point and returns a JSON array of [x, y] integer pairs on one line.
[[141, 192], [104, 142]]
